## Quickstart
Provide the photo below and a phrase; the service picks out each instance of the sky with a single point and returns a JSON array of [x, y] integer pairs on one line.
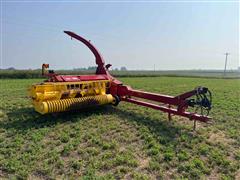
[[138, 35]]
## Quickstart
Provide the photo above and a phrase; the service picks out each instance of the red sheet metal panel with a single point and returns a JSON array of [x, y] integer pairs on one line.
[[70, 78], [93, 77]]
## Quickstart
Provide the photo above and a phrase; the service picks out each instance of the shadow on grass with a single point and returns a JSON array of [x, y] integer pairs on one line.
[[24, 119], [162, 128]]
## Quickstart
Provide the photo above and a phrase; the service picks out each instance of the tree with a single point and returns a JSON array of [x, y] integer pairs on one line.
[[92, 67], [123, 68]]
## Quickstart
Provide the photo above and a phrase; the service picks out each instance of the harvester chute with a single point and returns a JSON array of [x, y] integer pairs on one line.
[[61, 93]]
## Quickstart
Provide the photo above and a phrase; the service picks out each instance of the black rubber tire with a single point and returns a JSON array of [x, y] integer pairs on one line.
[[117, 100]]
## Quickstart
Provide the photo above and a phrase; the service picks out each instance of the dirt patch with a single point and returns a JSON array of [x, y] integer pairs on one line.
[[3, 175], [170, 174], [38, 175], [143, 163], [214, 175], [220, 137], [3, 115], [237, 174]]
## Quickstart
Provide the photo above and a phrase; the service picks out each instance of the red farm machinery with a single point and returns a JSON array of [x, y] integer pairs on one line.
[[61, 93]]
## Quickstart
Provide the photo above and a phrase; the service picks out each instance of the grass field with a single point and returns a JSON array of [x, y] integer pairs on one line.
[[127, 141]]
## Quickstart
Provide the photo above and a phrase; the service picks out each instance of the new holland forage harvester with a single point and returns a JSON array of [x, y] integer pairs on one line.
[[73, 92]]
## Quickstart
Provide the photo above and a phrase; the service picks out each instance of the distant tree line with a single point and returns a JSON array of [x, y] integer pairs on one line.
[[37, 73], [84, 69], [122, 72]]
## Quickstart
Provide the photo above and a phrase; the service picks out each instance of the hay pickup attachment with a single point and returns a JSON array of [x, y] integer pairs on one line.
[[73, 92]]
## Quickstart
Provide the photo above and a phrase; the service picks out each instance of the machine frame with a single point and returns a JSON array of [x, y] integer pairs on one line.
[[172, 105]]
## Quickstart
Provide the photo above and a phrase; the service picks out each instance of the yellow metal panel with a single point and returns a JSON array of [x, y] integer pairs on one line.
[[63, 96], [57, 90]]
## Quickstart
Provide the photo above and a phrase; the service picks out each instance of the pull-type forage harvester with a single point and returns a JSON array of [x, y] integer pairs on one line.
[[72, 92]]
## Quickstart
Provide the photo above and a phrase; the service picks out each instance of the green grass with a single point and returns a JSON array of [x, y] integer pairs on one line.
[[127, 141]]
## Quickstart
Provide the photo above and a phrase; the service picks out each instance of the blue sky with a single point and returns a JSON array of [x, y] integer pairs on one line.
[[176, 35]]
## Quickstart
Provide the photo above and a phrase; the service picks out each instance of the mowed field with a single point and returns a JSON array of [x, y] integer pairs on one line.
[[122, 142]]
